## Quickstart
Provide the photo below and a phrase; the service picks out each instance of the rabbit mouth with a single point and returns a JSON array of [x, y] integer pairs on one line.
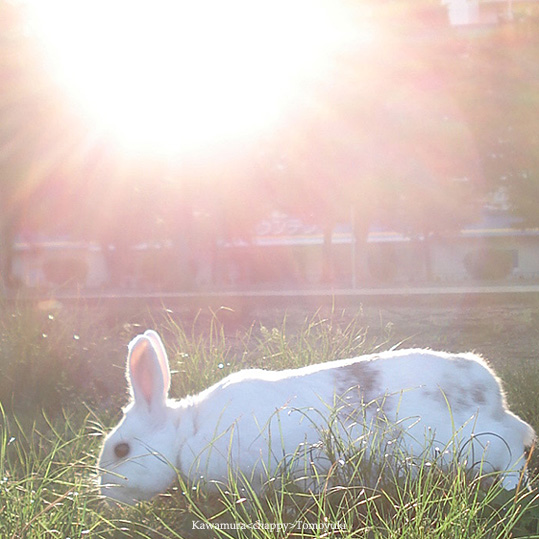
[[115, 493]]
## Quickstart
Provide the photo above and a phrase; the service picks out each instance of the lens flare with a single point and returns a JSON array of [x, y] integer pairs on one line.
[[175, 76]]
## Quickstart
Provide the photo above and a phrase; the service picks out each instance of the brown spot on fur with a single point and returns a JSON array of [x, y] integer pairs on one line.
[[463, 400], [362, 375], [460, 397], [451, 396], [464, 364], [498, 413], [478, 394]]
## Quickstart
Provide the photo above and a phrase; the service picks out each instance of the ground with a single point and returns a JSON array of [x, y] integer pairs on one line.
[[497, 330]]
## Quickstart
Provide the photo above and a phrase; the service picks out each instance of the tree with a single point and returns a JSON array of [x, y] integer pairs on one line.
[[495, 82], [432, 167], [411, 129], [384, 138], [22, 108]]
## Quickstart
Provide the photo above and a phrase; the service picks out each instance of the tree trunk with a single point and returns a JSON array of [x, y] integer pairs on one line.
[[360, 234], [427, 256], [183, 237], [328, 263], [6, 255]]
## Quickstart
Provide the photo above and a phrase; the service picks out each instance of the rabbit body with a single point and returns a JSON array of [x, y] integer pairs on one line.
[[252, 422]]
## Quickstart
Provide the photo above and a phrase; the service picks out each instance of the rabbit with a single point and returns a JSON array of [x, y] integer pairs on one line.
[[248, 422]]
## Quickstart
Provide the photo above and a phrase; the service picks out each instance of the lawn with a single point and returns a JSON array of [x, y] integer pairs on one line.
[[62, 385]]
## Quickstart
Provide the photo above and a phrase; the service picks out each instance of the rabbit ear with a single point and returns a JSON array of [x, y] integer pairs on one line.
[[148, 374], [159, 348]]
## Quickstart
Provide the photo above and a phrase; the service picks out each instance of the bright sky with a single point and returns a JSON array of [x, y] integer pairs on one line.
[[172, 76]]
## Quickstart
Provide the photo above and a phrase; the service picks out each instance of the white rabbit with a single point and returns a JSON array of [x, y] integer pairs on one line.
[[250, 420]]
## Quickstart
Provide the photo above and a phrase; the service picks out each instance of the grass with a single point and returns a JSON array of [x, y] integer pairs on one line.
[[53, 418]]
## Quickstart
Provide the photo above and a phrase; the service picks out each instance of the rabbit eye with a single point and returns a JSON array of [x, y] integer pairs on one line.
[[121, 450]]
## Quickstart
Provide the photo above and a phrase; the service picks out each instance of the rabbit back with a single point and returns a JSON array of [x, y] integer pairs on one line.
[[255, 418]]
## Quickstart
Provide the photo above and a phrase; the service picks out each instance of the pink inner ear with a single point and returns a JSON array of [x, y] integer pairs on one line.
[[161, 356], [142, 373]]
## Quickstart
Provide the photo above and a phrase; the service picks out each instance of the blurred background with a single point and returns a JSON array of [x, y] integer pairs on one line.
[[182, 146]]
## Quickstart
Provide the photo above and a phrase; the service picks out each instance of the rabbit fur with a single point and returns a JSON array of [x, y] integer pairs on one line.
[[250, 420]]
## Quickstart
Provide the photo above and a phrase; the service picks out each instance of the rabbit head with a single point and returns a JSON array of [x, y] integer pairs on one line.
[[137, 458]]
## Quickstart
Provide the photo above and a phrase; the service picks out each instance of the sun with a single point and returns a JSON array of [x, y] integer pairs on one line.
[[176, 76]]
